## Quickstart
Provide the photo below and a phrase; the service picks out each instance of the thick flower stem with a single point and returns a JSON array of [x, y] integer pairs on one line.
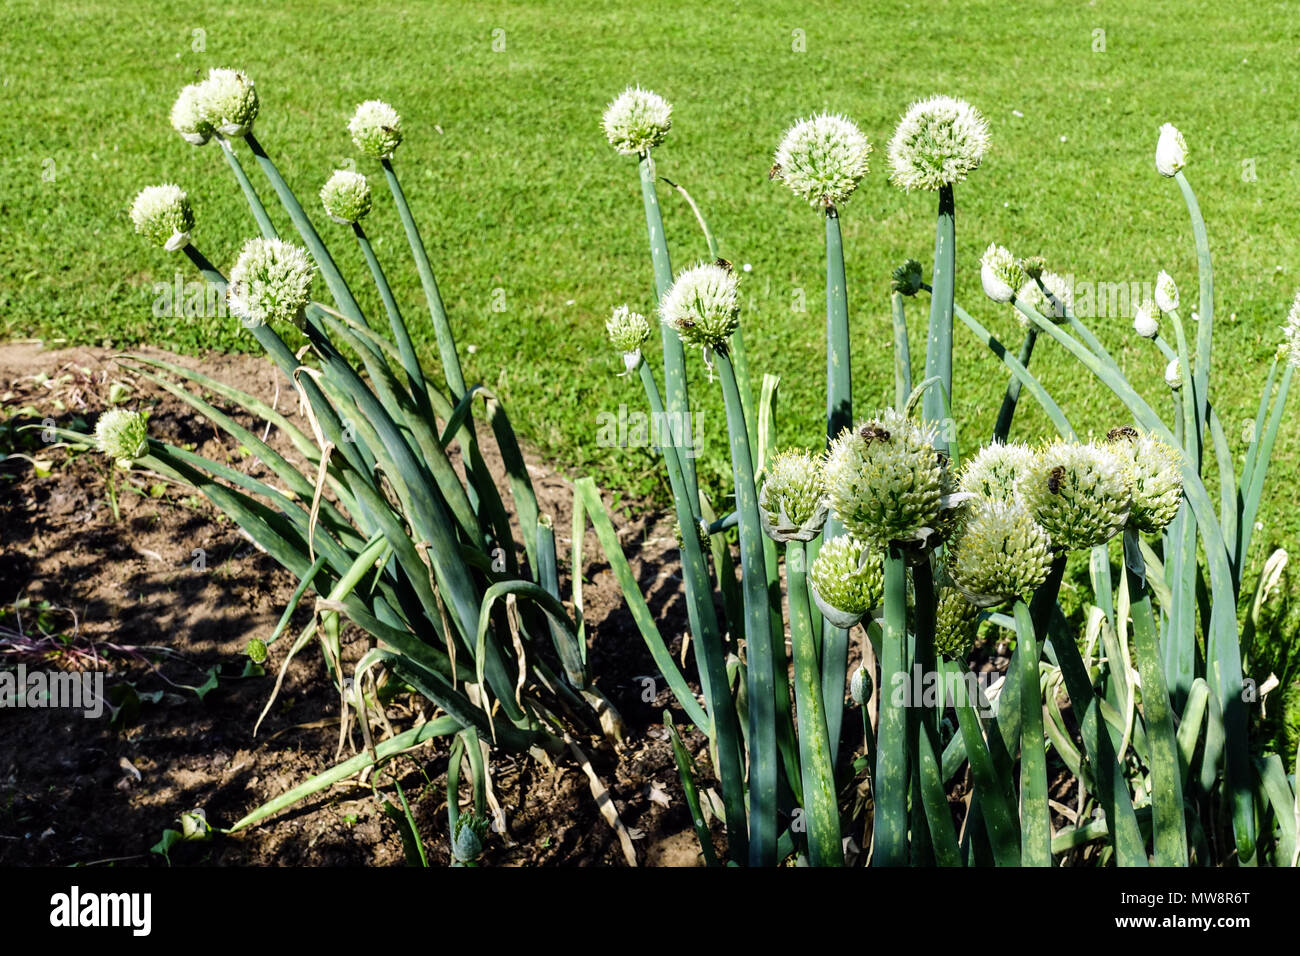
[[437, 312], [675, 395], [1223, 645], [1007, 412], [902, 352], [405, 348], [311, 238], [839, 377], [1166, 774], [1205, 318], [839, 416], [761, 697], [820, 806], [938, 352], [1035, 816], [725, 732], [891, 778], [1110, 787], [264, 223]]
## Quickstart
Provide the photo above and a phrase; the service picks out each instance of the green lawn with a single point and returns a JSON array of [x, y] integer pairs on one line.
[[522, 201]]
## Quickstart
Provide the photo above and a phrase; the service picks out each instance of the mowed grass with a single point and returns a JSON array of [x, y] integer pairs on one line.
[[535, 225]]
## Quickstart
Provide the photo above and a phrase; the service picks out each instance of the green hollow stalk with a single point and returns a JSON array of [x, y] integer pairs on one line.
[[891, 777], [739, 356], [1205, 318], [1035, 815], [437, 312], [1002, 428], [264, 223], [402, 338], [821, 809], [761, 696], [1017, 368], [708, 642], [311, 238], [839, 377], [839, 416], [1166, 770], [902, 352], [1180, 570], [1223, 644], [675, 393], [938, 350]]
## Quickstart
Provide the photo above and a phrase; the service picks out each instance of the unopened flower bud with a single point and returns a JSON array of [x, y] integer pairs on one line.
[[1166, 292], [1174, 374], [1145, 322], [1001, 274], [908, 278], [1171, 151]]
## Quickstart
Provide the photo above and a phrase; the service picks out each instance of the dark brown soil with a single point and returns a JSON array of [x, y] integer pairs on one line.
[[129, 599]]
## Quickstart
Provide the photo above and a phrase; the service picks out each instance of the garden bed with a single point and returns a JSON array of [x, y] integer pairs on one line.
[[76, 791]]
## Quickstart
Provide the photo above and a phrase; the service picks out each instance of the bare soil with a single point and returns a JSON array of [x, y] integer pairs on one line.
[[167, 593]]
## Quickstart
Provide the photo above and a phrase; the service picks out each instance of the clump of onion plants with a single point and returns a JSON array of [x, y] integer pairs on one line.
[[370, 514], [919, 538]]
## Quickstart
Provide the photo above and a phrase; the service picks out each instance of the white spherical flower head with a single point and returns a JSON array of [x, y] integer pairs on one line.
[[1171, 151], [1080, 493], [938, 143], [122, 435], [885, 480], [1291, 333], [1053, 306], [1166, 292], [227, 101], [823, 159], [1000, 273], [1174, 374], [998, 552], [791, 502], [1156, 469], [346, 196], [994, 471], [1145, 322], [703, 305], [376, 129], [847, 580], [270, 282], [188, 120], [162, 214], [637, 121], [628, 331]]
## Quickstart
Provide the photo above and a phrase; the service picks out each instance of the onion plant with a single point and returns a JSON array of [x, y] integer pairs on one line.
[[368, 509], [895, 536]]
